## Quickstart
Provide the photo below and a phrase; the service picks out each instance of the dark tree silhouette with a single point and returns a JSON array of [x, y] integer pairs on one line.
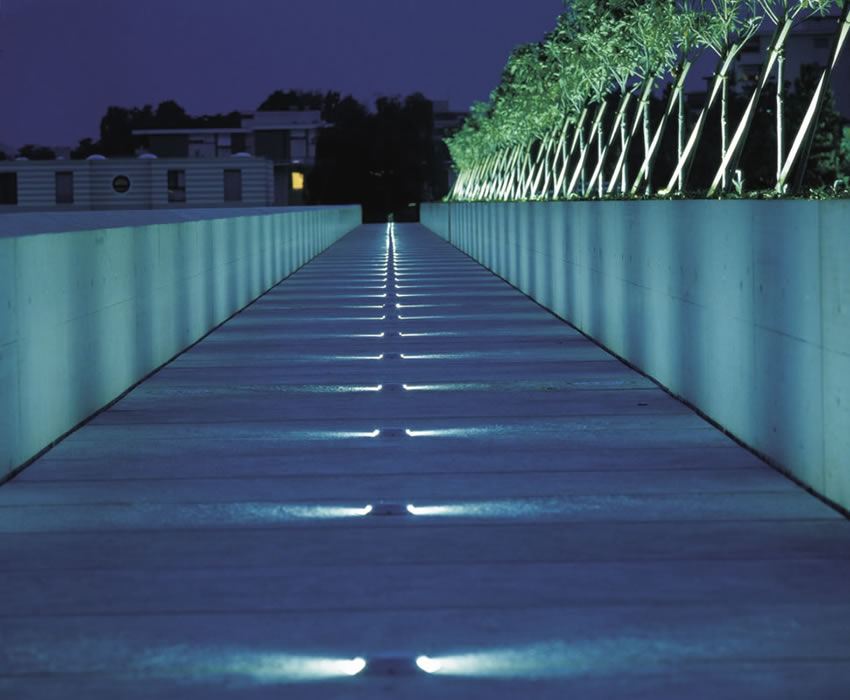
[[170, 115], [280, 101], [116, 138], [35, 152], [86, 148], [386, 160]]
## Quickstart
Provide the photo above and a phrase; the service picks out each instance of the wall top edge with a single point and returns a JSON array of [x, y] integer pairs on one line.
[[19, 224], [821, 203]]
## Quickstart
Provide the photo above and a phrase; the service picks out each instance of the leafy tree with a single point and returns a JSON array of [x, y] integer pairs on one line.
[[231, 120], [844, 158], [806, 133], [116, 138], [382, 160], [824, 166], [280, 101], [783, 14], [731, 24], [170, 115], [86, 148], [34, 152], [685, 26]]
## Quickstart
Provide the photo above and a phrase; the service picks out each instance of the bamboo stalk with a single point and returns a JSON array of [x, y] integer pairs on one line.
[[802, 144]]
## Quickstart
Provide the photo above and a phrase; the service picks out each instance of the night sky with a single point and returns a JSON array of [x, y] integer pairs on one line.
[[63, 62]]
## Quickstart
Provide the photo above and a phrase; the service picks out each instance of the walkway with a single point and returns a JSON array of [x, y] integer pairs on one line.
[[575, 532]]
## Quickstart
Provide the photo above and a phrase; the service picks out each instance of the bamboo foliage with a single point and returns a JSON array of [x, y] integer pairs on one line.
[[563, 120], [783, 14]]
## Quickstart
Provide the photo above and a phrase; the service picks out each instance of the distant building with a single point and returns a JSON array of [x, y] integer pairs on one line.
[[287, 139], [147, 182]]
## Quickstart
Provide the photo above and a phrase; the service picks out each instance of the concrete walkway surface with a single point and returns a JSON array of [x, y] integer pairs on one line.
[[393, 455]]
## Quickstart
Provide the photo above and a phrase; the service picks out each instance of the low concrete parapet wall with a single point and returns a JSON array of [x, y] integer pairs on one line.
[[88, 310], [741, 308]]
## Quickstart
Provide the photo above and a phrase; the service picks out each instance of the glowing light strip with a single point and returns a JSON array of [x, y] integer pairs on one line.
[[342, 319], [425, 387], [428, 664], [423, 335], [459, 386], [271, 668], [447, 432], [340, 434], [558, 659], [423, 318]]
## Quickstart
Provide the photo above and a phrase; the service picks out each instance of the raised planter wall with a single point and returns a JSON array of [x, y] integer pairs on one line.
[[85, 314], [740, 308]]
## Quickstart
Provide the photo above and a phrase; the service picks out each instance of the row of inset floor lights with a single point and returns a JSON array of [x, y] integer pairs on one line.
[[380, 509], [387, 665], [391, 262], [392, 665]]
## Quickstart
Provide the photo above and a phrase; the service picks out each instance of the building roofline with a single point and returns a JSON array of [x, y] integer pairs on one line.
[[292, 126], [186, 132], [289, 127]]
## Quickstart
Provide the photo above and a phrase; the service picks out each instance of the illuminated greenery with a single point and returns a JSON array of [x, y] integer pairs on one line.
[[561, 122]]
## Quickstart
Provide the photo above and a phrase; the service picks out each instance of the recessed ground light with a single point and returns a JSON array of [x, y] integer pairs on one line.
[[393, 433], [427, 664], [389, 509], [391, 666]]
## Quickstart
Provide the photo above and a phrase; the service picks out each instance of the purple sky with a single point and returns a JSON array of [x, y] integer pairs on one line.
[[63, 62]]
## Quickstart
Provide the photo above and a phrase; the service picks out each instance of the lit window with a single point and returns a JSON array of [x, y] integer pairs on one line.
[[297, 180]]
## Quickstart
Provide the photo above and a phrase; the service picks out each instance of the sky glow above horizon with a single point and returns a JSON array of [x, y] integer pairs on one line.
[[63, 63]]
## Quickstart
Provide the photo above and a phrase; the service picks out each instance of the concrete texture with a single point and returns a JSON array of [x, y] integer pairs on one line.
[[86, 313], [575, 530], [740, 308]]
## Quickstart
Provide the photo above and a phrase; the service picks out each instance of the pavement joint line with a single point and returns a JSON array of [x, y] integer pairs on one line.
[[403, 508], [453, 523], [577, 605], [389, 475], [602, 561]]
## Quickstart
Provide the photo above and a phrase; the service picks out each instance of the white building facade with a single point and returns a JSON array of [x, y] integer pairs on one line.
[[135, 183], [287, 139]]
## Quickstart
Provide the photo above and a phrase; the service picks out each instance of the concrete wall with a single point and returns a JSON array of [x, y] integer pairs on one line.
[[86, 314], [740, 308]]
